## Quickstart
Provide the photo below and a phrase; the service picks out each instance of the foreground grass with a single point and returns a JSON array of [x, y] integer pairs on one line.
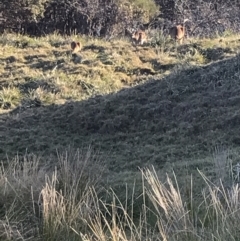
[[68, 202]]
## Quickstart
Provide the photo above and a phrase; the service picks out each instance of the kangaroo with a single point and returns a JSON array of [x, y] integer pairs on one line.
[[139, 37], [178, 32], [76, 47]]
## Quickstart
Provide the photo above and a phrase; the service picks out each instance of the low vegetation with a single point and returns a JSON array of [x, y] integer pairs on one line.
[[119, 142], [67, 202]]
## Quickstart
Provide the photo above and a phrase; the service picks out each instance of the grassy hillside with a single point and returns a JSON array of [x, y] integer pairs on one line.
[[180, 104], [134, 106]]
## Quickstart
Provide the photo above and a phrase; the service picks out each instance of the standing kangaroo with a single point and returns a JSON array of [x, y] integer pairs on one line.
[[139, 37], [76, 47], [177, 32]]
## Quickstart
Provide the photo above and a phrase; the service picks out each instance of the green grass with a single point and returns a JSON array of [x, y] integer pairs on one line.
[[175, 109]]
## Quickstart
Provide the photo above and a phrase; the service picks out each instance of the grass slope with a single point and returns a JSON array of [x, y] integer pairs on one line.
[[135, 106], [186, 104]]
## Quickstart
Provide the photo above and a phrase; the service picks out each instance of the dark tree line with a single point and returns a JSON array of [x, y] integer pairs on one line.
[[207, 17], [91, 17], [110, 18]]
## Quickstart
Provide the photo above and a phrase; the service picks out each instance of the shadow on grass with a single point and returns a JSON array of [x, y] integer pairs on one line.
[[31, 58], [180, 117], [8, 60], [158, 66], [4, 84], [216, 53], [30, 85], [94, 47], [211, 54]]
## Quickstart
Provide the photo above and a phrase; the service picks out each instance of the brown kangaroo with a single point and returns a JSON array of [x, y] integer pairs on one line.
[[178, 32], [76, 47], [139, 37]]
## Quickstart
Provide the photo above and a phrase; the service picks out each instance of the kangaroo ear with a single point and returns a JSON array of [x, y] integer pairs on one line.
[[78, 44], [73, 45]]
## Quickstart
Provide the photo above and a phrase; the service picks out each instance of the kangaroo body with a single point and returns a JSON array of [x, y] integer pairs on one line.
[[139, 37], [178, 32]]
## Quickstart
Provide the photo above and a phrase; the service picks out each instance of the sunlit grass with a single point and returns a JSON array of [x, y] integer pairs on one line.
[[102, 67], [10, 97]]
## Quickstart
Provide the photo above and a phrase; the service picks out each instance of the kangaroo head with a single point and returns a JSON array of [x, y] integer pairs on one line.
[[135, 35], [75, 46]]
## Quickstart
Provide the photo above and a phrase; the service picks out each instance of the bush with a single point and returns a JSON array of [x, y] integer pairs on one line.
[[91, 17]]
